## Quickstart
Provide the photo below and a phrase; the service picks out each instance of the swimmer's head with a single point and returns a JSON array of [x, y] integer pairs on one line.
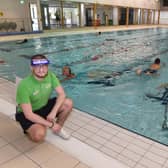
[[25, 40], [96, 57], [66, 71], [157, 61], [2, 61], [139, 71]]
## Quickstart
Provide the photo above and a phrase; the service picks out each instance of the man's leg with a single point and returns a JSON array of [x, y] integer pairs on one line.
[[36, 132], [64, 112]]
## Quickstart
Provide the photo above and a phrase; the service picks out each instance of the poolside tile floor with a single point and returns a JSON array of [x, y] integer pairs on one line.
[[131, 149], [17, 151], [126, 147], [138, 153]]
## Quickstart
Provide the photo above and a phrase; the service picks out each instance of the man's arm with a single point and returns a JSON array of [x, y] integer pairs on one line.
[[27, 110], [59, 102]]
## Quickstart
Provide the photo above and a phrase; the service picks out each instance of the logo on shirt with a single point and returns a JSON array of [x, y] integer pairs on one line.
[[35, 92], [47, 85]]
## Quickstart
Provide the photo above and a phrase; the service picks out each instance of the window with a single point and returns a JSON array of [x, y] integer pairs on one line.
[[165, 3]]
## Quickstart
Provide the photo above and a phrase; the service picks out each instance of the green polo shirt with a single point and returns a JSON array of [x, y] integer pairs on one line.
[[30, 90]]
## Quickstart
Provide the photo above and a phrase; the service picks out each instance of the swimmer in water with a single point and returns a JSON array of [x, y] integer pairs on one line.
[[2, 61], [66, 72], [96, 57], [152, 69], [22, 41]]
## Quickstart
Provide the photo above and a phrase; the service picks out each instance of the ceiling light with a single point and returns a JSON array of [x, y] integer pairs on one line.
[[22, 1]]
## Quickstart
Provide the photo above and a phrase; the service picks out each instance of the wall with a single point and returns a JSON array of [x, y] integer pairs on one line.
[[149, 4], [20, 13], [146, 4], [12, 10], [163, 13], [164, 17]]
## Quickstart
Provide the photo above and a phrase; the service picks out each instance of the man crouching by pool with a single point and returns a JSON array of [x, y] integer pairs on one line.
[[36, 111]]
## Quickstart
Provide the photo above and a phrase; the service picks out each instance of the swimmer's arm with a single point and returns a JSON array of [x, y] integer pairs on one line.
[[164, 85], [67, 78]]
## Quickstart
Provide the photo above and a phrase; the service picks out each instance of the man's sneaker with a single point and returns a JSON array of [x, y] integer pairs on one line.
[[63, 134]]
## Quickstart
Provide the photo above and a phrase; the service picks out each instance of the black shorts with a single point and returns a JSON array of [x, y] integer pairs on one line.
[[43, 112], [151, 71]]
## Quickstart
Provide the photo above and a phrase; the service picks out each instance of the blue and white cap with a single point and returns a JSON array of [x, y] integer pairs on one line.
[[35, 62]]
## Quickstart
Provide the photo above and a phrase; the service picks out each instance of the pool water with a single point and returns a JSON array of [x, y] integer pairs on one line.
[[106, 84]]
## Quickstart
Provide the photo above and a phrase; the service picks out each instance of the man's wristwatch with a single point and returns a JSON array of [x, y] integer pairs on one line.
[[52, 124]]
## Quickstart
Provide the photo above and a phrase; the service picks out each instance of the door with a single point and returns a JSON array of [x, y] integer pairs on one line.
[[88, 17], [34, 17], [122, 20], [131, 16], [45, 16]]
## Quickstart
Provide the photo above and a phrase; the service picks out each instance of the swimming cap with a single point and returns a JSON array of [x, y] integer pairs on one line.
[[40, 62]]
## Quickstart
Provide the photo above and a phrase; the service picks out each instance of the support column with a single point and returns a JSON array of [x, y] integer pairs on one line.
[[82, 14], [79, 14], [135, 16], [154, 16], [143, 21], [94, 16], [158, 17], [119, 15], [39, 15], [62, 14], [115, 15], [127, 16], [148, 16], [140, 16], [105, 16]]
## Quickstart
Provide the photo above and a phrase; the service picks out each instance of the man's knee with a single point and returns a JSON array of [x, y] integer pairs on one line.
[[69, 103], [37, 134]]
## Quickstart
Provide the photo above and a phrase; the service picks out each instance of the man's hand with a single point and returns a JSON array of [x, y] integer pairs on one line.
[[51, 116]]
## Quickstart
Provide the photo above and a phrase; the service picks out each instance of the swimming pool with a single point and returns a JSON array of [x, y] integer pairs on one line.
[[91, 57]]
